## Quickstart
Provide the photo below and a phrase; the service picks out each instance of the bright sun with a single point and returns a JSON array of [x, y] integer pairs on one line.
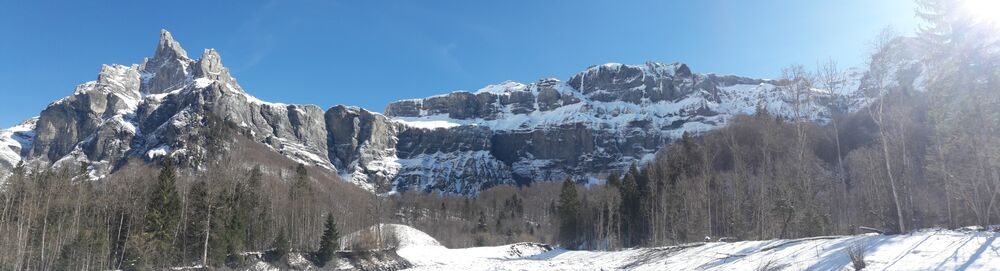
[[987, 11]]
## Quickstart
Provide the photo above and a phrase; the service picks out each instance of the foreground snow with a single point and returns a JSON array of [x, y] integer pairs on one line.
[[921, 250]]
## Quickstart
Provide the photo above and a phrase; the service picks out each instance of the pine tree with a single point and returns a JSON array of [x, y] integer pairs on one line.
[[645, 203], [301, 176], [197, 218], [481, 230], [281, 246], [481, 223], [255, 205], [569, 210], [19, 169], [238, 207], [329, 243], [614, 181], [630, 208], [164, 213]]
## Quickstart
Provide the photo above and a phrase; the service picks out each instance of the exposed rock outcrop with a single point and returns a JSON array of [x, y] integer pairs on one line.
[[363, 145]]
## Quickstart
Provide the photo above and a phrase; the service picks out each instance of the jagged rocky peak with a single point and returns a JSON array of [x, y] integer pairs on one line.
[[130, 110], [169, 48], [210, 67], [168, 70]]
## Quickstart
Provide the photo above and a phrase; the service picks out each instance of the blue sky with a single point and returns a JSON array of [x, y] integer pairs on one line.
[[368, 53]]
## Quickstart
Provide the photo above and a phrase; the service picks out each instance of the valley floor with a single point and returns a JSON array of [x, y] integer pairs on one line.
[[920, 250]]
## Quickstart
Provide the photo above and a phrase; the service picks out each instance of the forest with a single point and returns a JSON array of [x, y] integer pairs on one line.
[[914, 157]]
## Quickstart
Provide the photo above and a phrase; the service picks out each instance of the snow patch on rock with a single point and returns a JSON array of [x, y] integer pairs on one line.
[[162, 150]]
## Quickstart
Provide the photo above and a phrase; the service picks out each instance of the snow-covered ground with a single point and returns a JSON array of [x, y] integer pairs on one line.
[[920, 250]]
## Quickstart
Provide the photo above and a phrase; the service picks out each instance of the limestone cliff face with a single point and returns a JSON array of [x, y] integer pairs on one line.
[[599, 121], [93, 121], [362, 144]]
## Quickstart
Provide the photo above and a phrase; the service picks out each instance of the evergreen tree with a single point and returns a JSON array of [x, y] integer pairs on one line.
[[281, 246], [329, 243], [569, 210], [614, 181], [19, 169], [644, 204], [481, 223], [301, 176], [481, 230], [197, 218], [238, 207], [164, 213], [629, 208], [256, 207]]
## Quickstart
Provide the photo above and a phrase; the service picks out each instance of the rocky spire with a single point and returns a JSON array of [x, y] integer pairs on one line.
[[169, 48], [209, 66], [168, 69]]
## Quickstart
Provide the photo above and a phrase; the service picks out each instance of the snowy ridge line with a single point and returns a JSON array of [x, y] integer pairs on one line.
[[735, 99]]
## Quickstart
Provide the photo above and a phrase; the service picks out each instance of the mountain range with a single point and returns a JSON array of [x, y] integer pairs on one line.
[[597, 122]]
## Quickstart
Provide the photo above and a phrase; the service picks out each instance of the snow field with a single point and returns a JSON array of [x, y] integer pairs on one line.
[[933, 249]]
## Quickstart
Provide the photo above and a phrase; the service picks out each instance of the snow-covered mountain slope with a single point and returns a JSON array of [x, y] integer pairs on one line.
[[920, 250], [14, 142], [599, 121]]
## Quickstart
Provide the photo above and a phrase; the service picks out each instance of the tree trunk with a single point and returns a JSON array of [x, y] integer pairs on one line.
[[888, 167], [208, 227]]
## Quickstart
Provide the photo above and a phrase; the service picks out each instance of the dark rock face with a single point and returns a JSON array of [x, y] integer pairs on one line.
[[550, 98], [362, 144], [457, 160], [572, 150], [653, 82], [414, 142]]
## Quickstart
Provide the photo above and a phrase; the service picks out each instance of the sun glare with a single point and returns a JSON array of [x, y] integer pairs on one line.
[[987, 11]]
